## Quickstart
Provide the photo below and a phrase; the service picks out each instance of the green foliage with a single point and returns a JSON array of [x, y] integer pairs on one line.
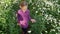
[[46, 13]]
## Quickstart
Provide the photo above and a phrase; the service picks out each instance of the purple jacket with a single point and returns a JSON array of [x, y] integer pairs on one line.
[[23, 18]]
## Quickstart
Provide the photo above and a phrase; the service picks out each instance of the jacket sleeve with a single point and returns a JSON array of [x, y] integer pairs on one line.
[[19, 17], [29, 15]]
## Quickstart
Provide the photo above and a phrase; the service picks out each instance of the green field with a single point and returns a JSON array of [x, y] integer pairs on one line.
[[46, 13]]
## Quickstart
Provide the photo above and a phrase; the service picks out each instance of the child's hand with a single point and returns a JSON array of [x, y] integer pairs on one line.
[[22, 22], [16, 15], [33, 20]]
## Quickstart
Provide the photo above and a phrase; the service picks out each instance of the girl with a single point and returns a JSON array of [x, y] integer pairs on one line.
[[23, 16]]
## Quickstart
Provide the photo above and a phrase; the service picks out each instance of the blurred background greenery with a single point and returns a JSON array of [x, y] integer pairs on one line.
[[46, 12]]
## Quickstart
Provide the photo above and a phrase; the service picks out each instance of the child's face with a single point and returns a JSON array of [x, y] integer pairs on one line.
[[24, 8]]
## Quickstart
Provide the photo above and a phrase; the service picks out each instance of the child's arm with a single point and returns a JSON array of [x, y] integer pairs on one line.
[[18, 17], [29, 18], [32, 20], [29, 15]]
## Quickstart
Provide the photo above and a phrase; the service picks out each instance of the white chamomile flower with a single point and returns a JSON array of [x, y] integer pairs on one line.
[[36, 11]]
